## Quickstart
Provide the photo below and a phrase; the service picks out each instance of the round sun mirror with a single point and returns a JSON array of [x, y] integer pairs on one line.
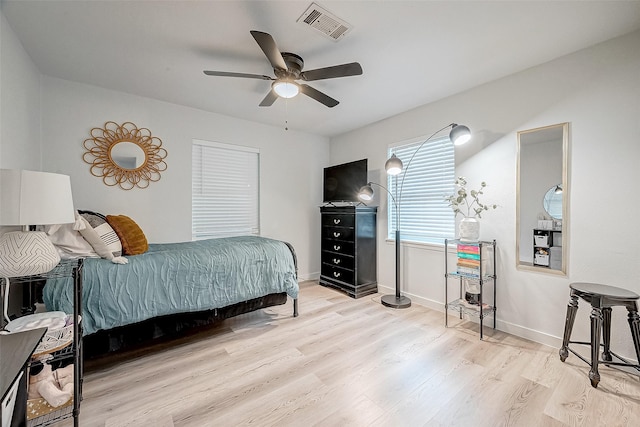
[[552, 202], [124, 155]]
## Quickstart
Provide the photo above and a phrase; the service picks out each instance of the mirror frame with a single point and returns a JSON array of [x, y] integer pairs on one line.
[[98, 155], [565, 201]]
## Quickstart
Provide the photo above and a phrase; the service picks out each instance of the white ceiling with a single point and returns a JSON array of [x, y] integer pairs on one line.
[[412, 52]]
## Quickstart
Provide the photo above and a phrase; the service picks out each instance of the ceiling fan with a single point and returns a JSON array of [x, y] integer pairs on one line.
[[287, 68]]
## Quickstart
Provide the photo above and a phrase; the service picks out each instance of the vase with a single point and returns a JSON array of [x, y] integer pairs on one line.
[[469, 230]]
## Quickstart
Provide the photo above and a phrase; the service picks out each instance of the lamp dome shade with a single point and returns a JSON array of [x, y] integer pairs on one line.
[[366, 193], [459, 134], [393, 166]]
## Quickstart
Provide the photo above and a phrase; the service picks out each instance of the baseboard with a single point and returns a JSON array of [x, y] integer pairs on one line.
[[308, 276], [510, 328]]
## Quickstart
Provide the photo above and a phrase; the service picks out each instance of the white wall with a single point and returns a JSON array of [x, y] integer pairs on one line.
[[291, 164], [19, 104], [597, 91], [19, 115]]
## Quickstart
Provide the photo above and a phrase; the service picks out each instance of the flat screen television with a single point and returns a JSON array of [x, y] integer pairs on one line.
[[343, 182]]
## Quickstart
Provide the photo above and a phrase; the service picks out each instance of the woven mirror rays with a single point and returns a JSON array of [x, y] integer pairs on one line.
[[125, 155]]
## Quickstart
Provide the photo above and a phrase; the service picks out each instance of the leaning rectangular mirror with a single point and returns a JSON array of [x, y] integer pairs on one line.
[[542, 196]]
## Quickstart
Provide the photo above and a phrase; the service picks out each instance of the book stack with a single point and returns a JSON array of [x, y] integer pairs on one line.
[[468, 260]]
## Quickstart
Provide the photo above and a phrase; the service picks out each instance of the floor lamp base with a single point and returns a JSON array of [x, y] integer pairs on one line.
[[395, 302]]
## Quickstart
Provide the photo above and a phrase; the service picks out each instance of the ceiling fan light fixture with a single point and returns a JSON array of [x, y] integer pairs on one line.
[[285, 89]]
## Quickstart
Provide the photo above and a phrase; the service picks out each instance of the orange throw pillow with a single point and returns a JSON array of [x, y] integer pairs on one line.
[[133, 239]]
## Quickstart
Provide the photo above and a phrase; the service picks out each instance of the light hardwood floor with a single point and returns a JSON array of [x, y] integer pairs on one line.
[[347, 362]]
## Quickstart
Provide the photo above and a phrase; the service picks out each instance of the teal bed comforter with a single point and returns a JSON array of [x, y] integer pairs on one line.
[[176, 278]]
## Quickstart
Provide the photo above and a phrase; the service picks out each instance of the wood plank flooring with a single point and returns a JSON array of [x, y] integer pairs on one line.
[[347, 362]]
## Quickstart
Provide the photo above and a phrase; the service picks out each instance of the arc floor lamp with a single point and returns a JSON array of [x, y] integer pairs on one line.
[[459, 135]]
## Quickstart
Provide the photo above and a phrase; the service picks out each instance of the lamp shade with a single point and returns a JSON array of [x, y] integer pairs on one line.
[[459, 134], [35, 198], [31, 198], [393, 166], [366, 193]]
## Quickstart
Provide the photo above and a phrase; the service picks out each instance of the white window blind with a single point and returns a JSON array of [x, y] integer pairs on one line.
[[425, 216], [225, 190]]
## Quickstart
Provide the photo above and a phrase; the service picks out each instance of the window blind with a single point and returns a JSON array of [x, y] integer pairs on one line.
[[225, 190], [420, 190]]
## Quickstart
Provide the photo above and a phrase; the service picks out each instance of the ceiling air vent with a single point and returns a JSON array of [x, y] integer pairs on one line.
[[324, 22]]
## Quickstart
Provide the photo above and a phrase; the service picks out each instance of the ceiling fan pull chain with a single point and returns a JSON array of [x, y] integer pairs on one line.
[[286, 114]]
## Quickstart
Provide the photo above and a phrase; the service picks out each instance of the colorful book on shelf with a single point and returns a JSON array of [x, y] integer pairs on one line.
[[468, 253], [468, 262], [467, 265], [470, 249], [468, 256]]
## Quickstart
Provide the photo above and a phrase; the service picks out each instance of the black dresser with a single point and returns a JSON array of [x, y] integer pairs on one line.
[[349, 249]]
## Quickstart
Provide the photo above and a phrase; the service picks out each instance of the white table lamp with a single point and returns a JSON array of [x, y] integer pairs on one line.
[[31, 198]]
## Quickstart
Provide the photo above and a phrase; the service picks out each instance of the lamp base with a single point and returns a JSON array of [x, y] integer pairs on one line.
[[395, 302], [26, 253]]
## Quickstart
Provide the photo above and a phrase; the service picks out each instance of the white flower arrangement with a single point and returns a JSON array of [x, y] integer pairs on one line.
[[460, 202]]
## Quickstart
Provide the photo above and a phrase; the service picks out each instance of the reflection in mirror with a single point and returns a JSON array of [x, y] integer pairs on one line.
[[542, 195], [127, 155], [553, 202]]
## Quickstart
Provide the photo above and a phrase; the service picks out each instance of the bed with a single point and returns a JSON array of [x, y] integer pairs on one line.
[[175, 285]]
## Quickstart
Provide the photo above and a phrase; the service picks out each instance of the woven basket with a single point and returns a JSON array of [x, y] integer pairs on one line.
[[54, 340]]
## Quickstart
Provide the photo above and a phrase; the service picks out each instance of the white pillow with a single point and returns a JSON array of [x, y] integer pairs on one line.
[[68, 240], [101, 236]]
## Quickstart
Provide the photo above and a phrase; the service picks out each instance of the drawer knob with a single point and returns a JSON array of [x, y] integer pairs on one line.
[[336, 261], [336, 247], [336, 274], [336, 221], [336, 234]]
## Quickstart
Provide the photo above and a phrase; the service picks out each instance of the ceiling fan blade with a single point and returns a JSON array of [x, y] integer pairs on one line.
[[344, 70], [269, 99], [318, 96], [247, 76], [271, 51]]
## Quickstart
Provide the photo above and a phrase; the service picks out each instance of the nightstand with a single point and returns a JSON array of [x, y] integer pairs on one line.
[[15, 351]]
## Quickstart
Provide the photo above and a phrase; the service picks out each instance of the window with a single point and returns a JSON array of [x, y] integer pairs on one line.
[[225, 190], [425, 216]]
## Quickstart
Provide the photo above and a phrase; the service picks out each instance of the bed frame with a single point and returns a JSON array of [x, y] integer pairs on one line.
[[171, 326]]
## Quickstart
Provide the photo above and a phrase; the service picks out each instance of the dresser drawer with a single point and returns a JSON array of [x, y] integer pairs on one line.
[[338, 233], [338, 260], [338, 220], [337, 274], [346, 248]]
